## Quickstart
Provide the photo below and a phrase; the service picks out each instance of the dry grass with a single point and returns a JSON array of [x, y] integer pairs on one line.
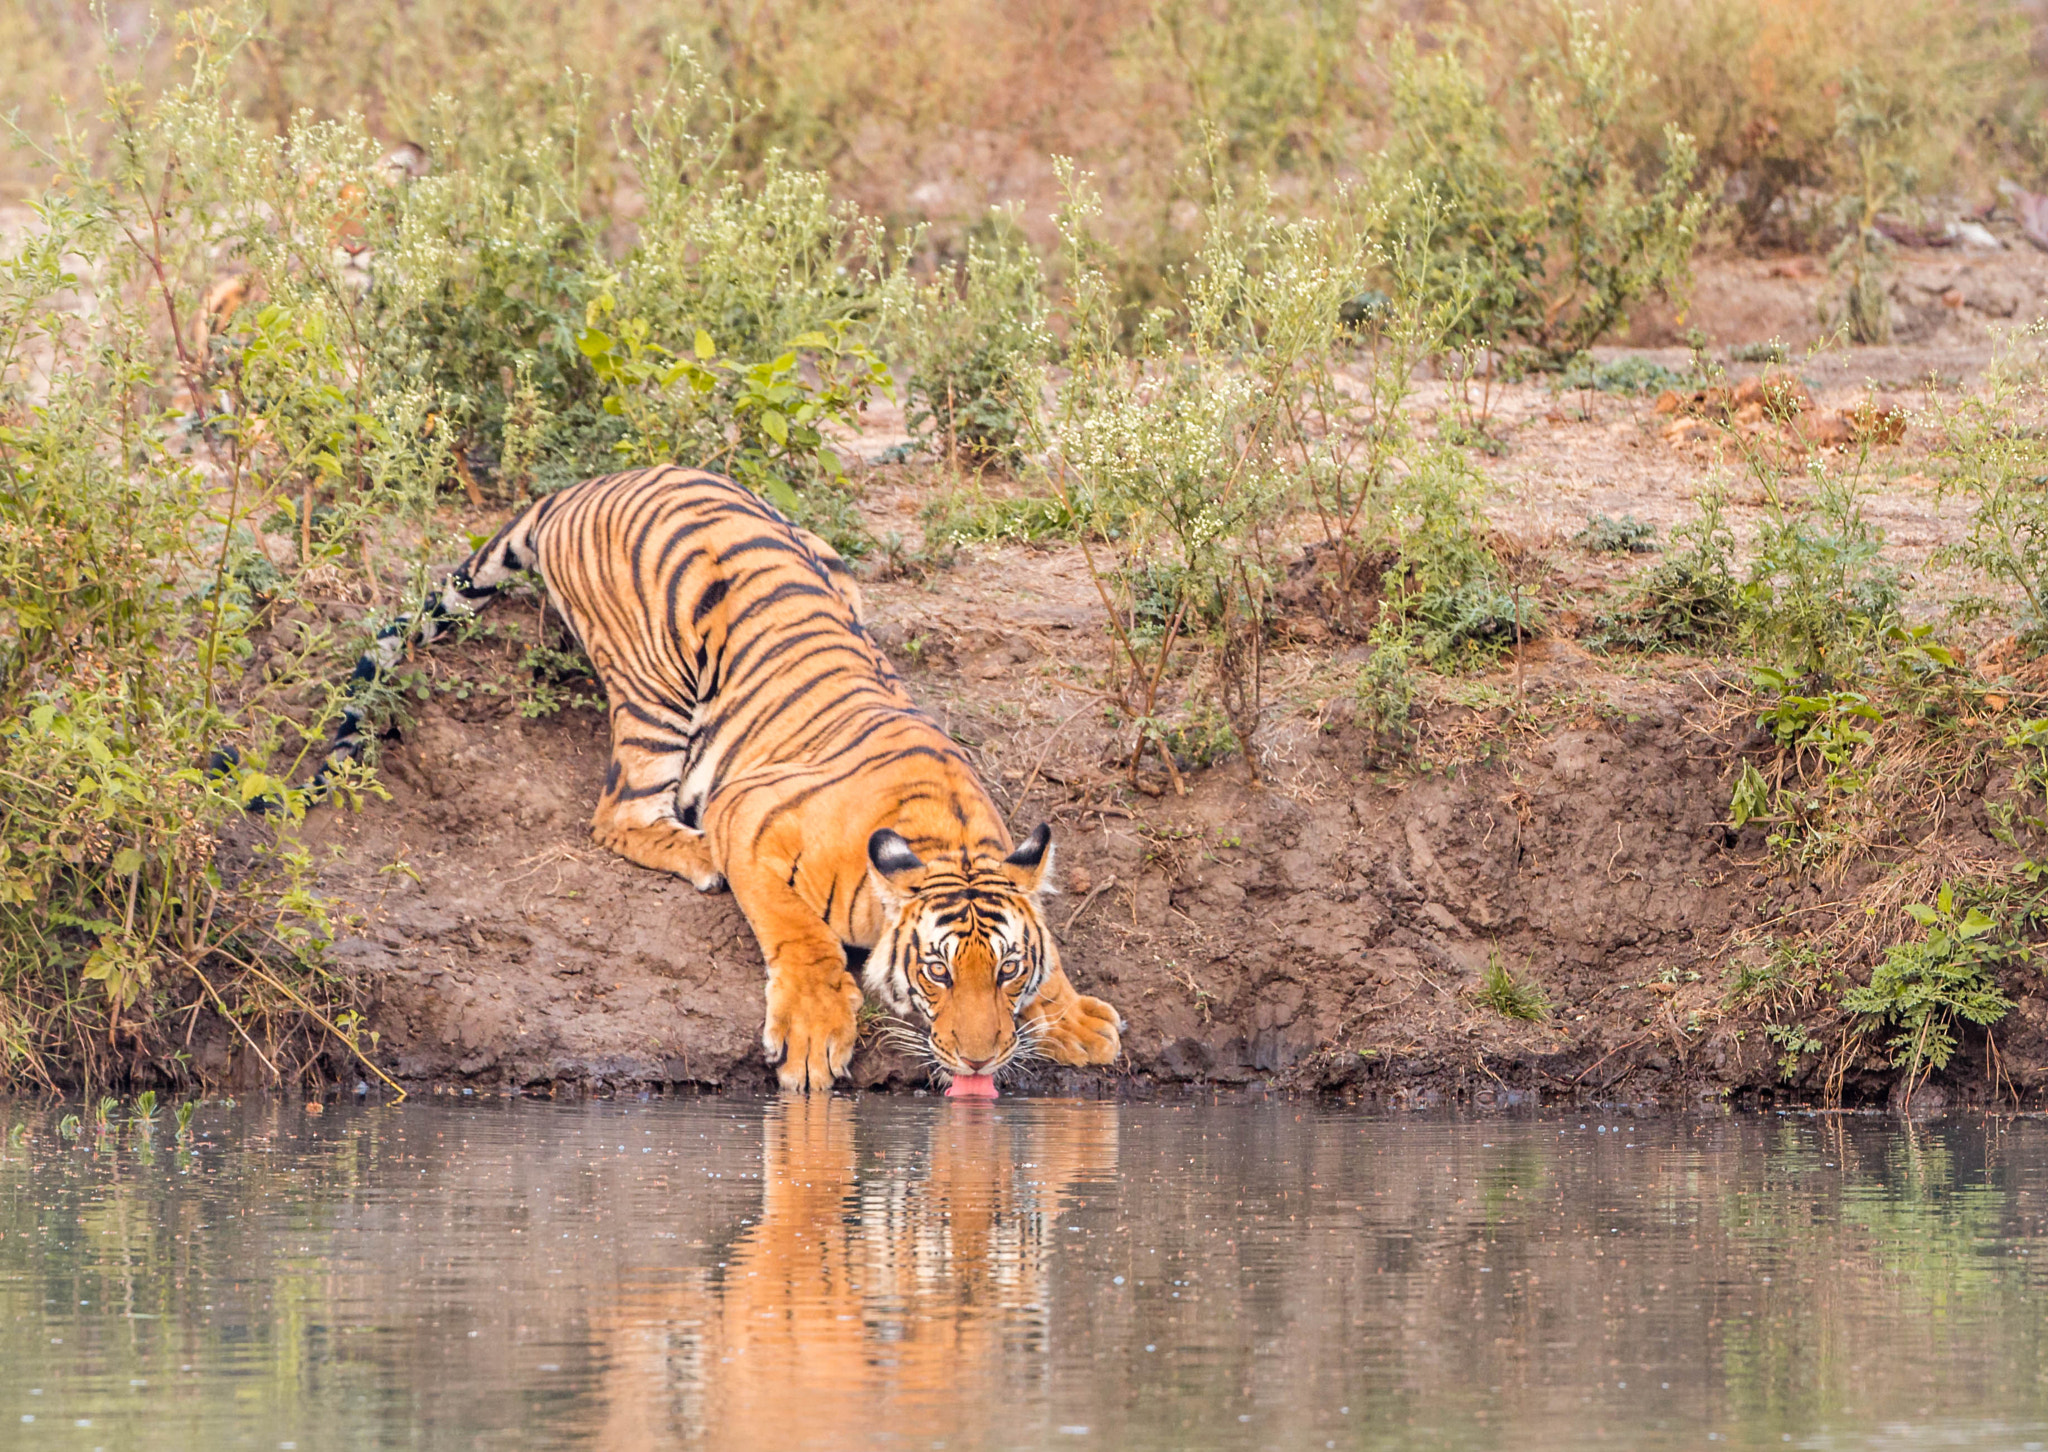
[[976, 96]]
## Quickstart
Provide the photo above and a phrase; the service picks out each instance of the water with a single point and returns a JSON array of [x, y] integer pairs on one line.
[[914, 1273]]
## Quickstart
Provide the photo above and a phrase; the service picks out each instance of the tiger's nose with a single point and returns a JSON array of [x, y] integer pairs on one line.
[[978, 1066]]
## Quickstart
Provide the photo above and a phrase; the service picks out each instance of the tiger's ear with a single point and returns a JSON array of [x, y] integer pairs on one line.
[[1030, 866], [892, 865]]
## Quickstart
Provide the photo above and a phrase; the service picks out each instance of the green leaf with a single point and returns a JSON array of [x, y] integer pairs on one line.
[[593, 343], [1975, 924], [706, 349], [775, 425], [127, 862], [778, 493], [1945, 899], [1921, 913], [1752, 797]]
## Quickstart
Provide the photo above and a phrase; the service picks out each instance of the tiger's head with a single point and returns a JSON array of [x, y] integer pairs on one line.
[[964, 949]]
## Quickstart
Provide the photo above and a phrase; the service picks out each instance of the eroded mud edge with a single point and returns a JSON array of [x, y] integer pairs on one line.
[[1322, 936]]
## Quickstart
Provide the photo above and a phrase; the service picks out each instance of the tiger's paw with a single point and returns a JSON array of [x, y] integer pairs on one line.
[[811, 1029], [1088, 1031]]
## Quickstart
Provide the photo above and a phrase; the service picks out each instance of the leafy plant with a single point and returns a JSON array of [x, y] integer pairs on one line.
[[1793, 1043], [1448, 585], [973, 516], [1820, 590], [1920, 990], [1832, 725], [1995, 462], [1386, 696], [1170, 458], [980, 343], [1874, 125], [1689, 600], [1631, 375], [1559, 235], [1608, 536], [761, 422]]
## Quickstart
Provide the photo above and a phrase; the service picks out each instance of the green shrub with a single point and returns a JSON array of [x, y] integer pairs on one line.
[[1690, 600], [761, 423], [1632, 375], [1874, 128], [1386, 697], [1608, 536], [980, 349], [1820, 591], [1169, 456], [1921, 989], [1447, 586], [972, 516], [1551, 225], [138, 602], [1993, 460]]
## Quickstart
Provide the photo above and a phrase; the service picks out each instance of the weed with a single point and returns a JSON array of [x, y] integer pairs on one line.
[[1386, 697], [1820, 591], [1607, 536], [1921, 989], [1509, 997], [1772, 353], [1448, 586], [1827, 737], [1996, 465], [1556, 232], [1873, 125], [1787, 977], [980, 344], [1170, 457], [762, 423], [1793, 1043], [1633, 376], [972, 516], [1690, 600]]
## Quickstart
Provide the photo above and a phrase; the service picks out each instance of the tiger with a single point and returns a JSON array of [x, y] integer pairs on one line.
[[761, 742]]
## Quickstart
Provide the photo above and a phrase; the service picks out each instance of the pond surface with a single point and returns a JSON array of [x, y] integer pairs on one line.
[[918, 1273]]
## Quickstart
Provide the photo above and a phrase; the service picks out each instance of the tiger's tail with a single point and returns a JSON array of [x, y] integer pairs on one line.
[[467, 589]]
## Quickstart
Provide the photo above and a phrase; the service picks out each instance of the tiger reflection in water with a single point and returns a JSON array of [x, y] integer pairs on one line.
[[882, 1271]]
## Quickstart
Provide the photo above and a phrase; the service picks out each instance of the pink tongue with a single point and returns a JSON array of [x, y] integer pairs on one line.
[[972, 1086]]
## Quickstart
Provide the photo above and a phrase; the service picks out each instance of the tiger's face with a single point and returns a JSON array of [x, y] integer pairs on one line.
[[964, 949]]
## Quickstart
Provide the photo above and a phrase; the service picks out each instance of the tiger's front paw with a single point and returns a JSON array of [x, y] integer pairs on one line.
[[811, 1028], [1089, 1031]]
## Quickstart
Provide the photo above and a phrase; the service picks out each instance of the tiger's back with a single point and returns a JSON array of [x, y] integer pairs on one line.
[[715, 624]]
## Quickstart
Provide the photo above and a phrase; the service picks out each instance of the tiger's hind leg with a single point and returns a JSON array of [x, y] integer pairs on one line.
[[636, 815]]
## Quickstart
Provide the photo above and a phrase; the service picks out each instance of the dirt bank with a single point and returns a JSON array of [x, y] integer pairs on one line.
[[1328, 930], [1321, 936], [1324, 932]]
